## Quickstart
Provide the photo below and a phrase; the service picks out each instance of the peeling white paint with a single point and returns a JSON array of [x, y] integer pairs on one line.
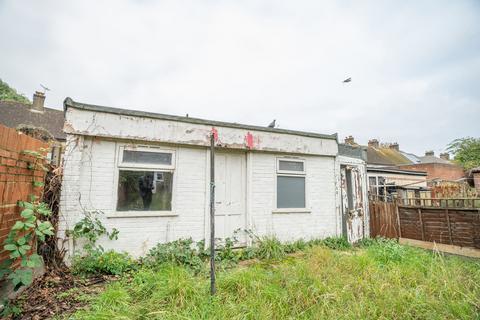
[[92, 123]]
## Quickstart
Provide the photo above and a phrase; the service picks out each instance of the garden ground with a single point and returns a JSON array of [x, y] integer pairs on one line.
[[382, 280]]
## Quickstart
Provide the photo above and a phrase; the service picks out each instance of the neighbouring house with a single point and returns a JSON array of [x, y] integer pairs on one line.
[[386, 178], [437, 168], [388, 183], [149, 175], [354, 191], [37, 121]]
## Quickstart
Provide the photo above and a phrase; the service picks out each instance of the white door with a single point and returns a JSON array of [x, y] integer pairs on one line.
[[230, 191]]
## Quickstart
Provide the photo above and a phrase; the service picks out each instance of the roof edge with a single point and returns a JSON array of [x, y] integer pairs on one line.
[[70, 103], [395, 170]]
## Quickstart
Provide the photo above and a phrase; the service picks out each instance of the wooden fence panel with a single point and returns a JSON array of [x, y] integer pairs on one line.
[[383, 219], [452, 226]]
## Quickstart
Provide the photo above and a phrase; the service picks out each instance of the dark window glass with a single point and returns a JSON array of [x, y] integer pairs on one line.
[[144, 190], [130, 156], [290, 192], [290, 165]]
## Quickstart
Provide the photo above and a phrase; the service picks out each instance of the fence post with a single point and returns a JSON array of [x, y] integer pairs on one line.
[[398, 221], [449, 226], [421, 223]]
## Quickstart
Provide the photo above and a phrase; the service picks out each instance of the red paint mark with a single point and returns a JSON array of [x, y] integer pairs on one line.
[[215, 134], [249, 140]]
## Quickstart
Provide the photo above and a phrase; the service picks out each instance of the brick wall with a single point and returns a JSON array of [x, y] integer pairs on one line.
[[15, 178], [438, 170]]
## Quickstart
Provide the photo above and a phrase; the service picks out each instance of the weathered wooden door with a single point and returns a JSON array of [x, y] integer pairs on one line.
[[230, 196], [353, 215]]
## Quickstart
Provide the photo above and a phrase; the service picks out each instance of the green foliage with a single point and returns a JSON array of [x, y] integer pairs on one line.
[[336, 243], [98, 261], [269, 248], [10, 309], [93, 259], [18, 243], [9, 94], [466, 152], [179, 252], [91, 228], [320, 284]]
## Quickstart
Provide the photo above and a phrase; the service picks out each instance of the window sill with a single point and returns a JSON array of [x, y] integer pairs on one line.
[[141, 214], [291, 210]]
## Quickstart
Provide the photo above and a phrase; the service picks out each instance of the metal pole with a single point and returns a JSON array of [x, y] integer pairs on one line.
[[212, 215]]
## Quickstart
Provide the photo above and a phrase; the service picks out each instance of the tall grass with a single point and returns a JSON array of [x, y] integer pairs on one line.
[[382, 280]]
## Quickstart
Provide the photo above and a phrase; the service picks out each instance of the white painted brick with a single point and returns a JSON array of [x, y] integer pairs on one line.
[[89, 184]]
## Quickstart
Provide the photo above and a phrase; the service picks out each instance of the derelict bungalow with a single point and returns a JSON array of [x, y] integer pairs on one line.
[[149, 175]]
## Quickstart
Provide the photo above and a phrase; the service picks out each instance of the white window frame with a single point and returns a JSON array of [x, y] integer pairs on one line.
[[122, 164], [290, 173], [144, 167]]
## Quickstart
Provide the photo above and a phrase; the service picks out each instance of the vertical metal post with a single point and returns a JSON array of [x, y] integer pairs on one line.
[[212, 215]]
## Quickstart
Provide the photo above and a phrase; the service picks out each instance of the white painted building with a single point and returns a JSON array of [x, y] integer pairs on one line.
[[149, 175]]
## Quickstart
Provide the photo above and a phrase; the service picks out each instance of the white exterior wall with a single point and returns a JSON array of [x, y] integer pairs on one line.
[[318, 221], [90, 183]]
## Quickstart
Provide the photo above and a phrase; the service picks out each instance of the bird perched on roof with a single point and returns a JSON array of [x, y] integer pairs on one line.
[[347, 80], [272, 124]]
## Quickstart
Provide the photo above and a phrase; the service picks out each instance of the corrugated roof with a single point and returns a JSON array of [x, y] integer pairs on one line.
[[136, 113], [386, 157], [15, 115]]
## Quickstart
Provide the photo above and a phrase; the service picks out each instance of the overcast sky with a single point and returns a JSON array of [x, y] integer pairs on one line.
[[415, 65]]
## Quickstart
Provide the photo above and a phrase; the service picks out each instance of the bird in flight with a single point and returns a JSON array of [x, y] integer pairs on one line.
[[347, 80], [272, 124]]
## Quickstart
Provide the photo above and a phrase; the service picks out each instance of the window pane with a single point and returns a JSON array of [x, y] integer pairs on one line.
[[290, 192], [144, 190], [147, 157], [290, 165], [372, 181]]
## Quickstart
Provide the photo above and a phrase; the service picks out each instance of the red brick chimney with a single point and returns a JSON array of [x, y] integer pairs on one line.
[[373, 143], [350, 140], [394, 146], [445, 156], [38, 101]]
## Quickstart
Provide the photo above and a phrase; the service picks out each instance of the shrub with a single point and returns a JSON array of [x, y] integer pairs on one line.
[[225, 252], [336, 243], [180, 252], [270, 248], [98, 261]]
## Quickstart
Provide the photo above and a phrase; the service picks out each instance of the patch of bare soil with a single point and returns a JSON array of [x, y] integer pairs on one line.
[[57, 293]]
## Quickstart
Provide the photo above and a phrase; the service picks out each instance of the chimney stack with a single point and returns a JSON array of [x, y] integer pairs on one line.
[[38, 101], [445, 156], [394, 146], [373, 143], [350, 140], [429, 153]]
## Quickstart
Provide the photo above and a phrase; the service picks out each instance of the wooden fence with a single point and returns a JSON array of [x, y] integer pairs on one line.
[[458, 226], [383, 219]]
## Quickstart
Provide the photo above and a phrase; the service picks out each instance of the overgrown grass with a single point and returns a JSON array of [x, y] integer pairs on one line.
[[379, 280]]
